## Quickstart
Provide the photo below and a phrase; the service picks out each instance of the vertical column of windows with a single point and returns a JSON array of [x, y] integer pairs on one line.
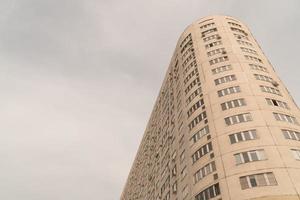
[[192, 88]]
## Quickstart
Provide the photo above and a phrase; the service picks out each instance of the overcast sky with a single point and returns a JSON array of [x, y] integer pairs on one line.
[[78, 80]]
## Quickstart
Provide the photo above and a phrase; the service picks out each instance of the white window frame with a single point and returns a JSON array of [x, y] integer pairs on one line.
[[259, 153], [296, 153], [252, 135]]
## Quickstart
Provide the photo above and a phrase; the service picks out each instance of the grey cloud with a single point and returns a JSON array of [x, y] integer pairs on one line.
[[78, 80]]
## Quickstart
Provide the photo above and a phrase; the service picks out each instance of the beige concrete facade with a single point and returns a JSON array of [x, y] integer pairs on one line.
[[224, 126]]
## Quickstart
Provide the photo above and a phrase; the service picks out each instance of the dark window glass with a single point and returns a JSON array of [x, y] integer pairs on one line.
[[252, 181], [246, 157], [232, 139], [239, 137]]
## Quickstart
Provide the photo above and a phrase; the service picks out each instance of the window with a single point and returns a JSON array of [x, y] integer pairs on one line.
[[241, 42], [187, 45], [217, 60], [247, 50], [263, 78], [230, 90], [225, 79], [240, 36], [209, 193], [253, 58], [194, 107], [274, 102], [182, 156], [174, 187], [197, 120], [212, 44], [165, 185], [174, 171], [192, 64], [221, 69], [204, 33], [216, 51], [243, 136], [188, 52], [258, 67], [291, 135], [270, 90], [183, 173], [202, 151], [199, 134], [204, 21], [167, 197], [207, 25], [190, 75], [257, 180], [185, 192], [250, 156], [235, 119], [239, 31], [285, 118], [192, 84], [188, 59], [234, 24], [208, 38], [204, 171], [197, 92], [296, 153], [233, 104], [187, 38]]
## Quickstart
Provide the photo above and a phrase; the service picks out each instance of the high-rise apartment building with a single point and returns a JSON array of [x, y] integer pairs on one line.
[[224, 126]]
